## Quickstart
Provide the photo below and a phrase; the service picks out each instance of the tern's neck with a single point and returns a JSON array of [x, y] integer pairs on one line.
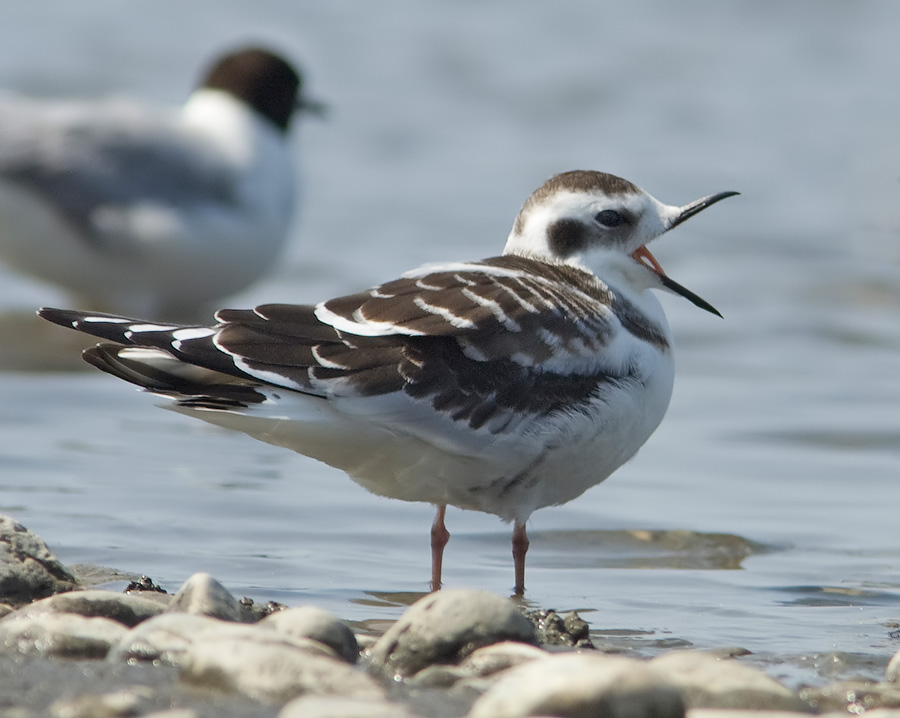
[[228, 121], [615, 267]]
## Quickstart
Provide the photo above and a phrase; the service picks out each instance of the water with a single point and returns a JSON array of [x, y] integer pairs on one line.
[[784, 429]]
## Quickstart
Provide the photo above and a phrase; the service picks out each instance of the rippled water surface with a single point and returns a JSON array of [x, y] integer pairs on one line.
[[762, 514]]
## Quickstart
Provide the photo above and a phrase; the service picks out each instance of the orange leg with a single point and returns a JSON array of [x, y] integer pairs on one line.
[[520, 545], [439, 538]]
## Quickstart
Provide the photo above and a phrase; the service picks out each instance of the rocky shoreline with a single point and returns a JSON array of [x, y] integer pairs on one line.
[[68, 651]]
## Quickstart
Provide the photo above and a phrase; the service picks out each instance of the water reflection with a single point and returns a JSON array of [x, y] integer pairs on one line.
[[640, 549], [839, 596]]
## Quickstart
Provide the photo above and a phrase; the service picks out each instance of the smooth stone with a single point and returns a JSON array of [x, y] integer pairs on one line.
[[855, 697], [272, 671], [437, 676], [164, 637], [168, 636], [445, 627], [480, 664], [163, 600], [498, 657], [119, 607], [892, 674], [28, 569], [202, 595], [580, 685], [65, 635], [340, 707], [317, 624], [125, 702], [707, 681], [736, 713]]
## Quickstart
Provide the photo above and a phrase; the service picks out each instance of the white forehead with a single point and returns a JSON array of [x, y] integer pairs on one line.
[[585, 205], [575, 203]]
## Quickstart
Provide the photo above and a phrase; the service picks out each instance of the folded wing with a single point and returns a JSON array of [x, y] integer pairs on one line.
[[486, 346]]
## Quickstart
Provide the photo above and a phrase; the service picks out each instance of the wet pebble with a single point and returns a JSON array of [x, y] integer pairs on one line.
[[445, 627], [736, 713], [125, 609], [893, 669], [28, 569], [340, 707], [201, 594], [474, 669], [708, 681], [61, 635], [317, 624], [169, 636], [272, 669], [580, 684], [164, 638], [126, 702], [498, 657]]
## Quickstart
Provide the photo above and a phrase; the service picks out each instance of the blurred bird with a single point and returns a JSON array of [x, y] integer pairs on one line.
[[144, 210], [502, 385]]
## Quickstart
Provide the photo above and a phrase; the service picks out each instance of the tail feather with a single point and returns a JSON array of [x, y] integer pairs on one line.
[[160, 373], [112, 327]]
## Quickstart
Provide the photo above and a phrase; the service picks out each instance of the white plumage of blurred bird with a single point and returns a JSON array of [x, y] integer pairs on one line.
[[147, 210]]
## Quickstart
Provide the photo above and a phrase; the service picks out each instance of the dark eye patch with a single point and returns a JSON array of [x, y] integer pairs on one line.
[[610, 218], [567, 236]]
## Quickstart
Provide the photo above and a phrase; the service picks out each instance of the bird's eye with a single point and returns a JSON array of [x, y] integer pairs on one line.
[[609, 218]]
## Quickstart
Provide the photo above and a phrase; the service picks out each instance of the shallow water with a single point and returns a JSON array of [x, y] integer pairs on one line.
[[783, 437]]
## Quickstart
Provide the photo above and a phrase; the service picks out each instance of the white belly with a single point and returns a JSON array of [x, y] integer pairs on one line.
[[550, 463]]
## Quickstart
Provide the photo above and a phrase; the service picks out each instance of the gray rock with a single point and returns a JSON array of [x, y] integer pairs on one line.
[[854, 697], [445, 627], [339, 707], [125, 609], [28, 569], [201, 594], [61, 635], [580, 685], [707, 681], [317, 624], [270, 670]]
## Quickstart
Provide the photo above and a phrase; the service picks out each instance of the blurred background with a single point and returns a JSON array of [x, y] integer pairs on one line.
[[784, 430]]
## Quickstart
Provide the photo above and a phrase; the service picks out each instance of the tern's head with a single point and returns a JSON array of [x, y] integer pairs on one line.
[[263, 80], [591, 218]]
